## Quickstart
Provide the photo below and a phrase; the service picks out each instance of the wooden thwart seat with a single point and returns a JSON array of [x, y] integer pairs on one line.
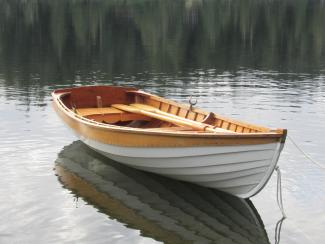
[[92, 111], [109, 115]]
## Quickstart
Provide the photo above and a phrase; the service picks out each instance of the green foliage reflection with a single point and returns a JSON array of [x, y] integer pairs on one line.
[[57, 39]]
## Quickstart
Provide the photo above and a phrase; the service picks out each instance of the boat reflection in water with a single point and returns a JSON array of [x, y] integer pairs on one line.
[[164, 209]]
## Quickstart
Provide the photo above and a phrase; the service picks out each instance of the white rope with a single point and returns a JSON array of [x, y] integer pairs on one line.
[[279, 191], [277, 232], [306, 155]]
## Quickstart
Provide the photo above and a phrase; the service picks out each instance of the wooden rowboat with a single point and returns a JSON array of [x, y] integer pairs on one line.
[[154, 134]]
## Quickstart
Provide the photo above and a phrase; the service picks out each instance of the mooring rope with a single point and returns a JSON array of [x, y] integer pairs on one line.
[[280, 204], [278, 230], [306, 155], [279, 191]]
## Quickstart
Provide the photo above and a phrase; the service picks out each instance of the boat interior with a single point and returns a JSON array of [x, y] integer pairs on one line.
[[130, 107]]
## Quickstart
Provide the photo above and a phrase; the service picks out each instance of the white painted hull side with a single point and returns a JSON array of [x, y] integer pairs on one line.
[[241, 170]]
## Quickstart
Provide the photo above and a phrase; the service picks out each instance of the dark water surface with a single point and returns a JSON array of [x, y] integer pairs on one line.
[[259, 61]]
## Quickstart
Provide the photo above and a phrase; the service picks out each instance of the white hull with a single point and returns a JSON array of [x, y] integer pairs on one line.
[[241, 170]]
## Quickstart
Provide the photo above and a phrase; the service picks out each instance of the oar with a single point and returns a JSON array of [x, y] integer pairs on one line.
[[199, 124], [169, 118]]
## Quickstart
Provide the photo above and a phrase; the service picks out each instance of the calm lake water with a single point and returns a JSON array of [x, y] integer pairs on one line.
[[259, 61]]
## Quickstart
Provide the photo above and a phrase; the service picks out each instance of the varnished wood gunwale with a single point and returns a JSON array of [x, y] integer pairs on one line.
[[135, 137]]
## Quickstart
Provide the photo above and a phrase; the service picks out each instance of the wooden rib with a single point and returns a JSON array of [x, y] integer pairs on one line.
[[178, 110], [233, 127], [174, 110], [246, 130], [225, 124], [169, 108], [164, 107], [187, 112], [221, 123], [195, 116], [182, 112]]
